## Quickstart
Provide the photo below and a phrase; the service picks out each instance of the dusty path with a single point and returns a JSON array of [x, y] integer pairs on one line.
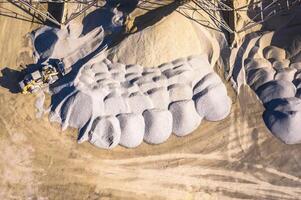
[[235, 158]]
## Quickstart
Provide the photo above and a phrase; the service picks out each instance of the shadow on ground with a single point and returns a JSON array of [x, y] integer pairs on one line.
[[9, 79]]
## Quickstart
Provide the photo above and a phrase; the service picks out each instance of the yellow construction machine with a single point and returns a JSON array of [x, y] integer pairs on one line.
[[41, 78]]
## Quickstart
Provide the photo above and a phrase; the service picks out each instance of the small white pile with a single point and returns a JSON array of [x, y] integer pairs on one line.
[[113, 103], [67, 44]]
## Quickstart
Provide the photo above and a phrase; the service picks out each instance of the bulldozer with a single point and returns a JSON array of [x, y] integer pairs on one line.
[[41, 78]]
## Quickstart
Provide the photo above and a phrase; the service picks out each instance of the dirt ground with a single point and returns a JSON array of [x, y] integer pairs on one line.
[[236, 158]]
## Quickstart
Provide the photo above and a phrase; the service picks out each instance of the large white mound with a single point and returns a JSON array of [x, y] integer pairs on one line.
[[159, 80], [113, 103], [172, 37]]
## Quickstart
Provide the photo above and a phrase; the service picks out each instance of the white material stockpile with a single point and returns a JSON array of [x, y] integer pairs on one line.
[[112, 103], [271, 66]]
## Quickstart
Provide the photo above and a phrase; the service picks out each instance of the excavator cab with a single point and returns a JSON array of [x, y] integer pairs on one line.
[[31, 82]]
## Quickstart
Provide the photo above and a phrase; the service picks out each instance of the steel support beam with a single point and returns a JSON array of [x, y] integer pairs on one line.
[[212, 8], [31, 8]]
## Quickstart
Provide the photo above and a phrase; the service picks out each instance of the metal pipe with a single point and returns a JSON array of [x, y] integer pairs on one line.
[[38, 11], [219, 21]]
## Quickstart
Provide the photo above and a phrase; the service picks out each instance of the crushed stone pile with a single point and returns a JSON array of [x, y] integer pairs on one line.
[[112, 103], [154, 82], [271, 66]]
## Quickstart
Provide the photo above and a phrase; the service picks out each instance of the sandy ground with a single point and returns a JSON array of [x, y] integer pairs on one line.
[[234, 159]]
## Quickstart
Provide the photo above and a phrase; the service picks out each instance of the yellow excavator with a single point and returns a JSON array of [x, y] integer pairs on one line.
[[54, 69], [42, 77]]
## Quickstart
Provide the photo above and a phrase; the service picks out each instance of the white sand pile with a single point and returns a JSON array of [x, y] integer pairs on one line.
[[166, 40], [122, 102], [270, 64], [113, 103], [67, 43]]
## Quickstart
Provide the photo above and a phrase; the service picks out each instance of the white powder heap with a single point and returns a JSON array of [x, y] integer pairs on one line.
[[122, 102], [112, 103]]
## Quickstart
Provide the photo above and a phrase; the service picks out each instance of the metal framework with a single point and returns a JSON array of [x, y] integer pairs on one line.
[[258, 11], [262, 10], [38, 9], [212, 8]]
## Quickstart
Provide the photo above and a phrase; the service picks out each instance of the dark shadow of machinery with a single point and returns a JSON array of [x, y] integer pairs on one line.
[[57, 11], [10, 79]]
